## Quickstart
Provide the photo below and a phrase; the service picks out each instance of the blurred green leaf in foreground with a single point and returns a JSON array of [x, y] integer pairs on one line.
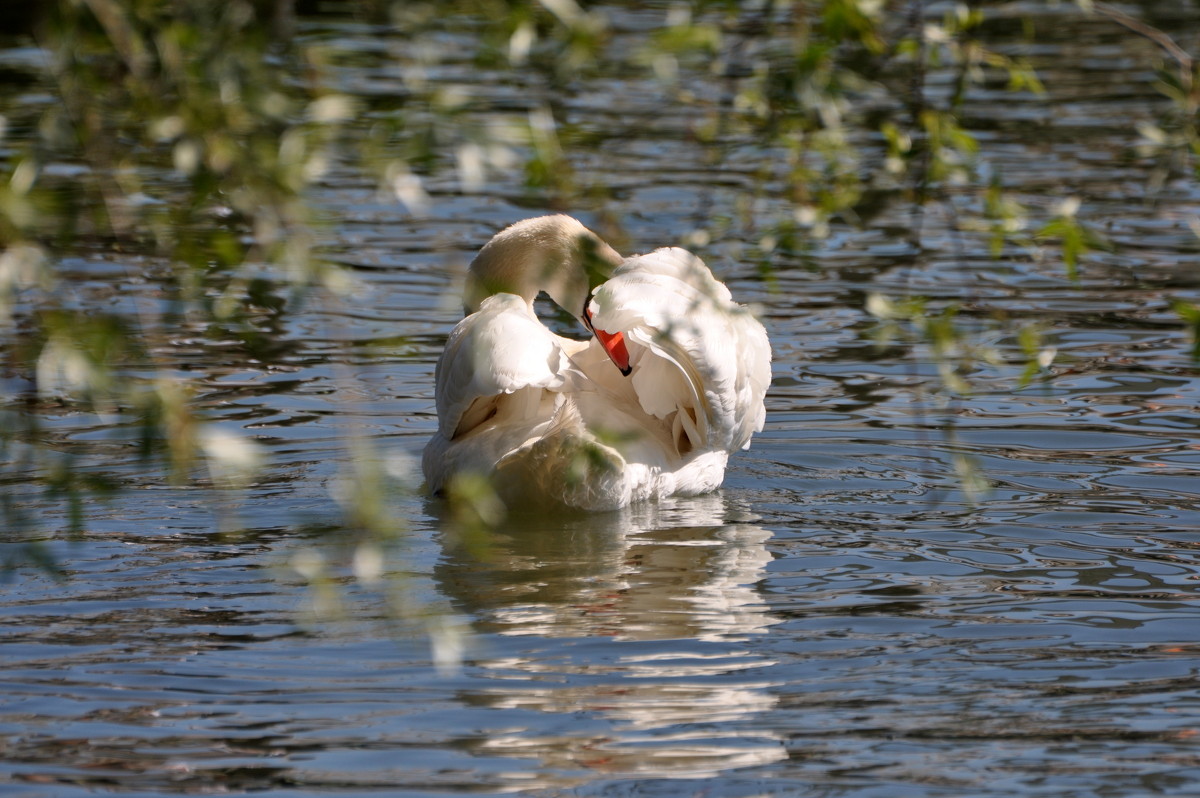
[[184, 138]]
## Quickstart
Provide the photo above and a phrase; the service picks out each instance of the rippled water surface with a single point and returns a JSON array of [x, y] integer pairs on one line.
[[840, 620]]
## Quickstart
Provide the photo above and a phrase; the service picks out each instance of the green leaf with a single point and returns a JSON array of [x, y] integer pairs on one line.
[[1190, 314]]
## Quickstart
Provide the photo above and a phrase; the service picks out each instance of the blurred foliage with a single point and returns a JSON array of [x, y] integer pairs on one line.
[[185, 133], [186, 136]]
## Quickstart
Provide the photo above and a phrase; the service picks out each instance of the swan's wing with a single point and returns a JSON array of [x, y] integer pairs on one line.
[[498, 350], [701, 356], [753, 375]]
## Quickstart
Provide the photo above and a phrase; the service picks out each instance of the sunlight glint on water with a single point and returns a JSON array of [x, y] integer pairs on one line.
[[840, 620]]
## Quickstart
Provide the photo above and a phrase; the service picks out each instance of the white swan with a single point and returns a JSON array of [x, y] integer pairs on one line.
[[651, 406]]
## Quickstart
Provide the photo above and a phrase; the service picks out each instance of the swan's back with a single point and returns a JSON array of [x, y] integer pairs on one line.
[[498, 381], [494, 352]]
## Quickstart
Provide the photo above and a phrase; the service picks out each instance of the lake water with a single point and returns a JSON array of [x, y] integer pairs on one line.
[[839, 620]]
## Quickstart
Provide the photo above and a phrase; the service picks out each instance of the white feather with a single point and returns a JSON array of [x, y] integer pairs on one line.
[[548, 418]]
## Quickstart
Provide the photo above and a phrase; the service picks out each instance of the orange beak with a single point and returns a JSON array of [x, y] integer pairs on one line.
[[614, 344]]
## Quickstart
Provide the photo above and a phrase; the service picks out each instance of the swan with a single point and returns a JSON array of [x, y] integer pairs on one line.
[[670, 382]]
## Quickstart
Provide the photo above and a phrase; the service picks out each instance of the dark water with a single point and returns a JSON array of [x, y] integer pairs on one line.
[[840, 620]]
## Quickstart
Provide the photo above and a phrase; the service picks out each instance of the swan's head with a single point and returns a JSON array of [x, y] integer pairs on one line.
[[555, 254]]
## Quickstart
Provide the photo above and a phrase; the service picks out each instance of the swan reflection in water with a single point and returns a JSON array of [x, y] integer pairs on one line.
[[633, 625]]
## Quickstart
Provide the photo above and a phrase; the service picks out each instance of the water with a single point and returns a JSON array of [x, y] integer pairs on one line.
[[840, 620]]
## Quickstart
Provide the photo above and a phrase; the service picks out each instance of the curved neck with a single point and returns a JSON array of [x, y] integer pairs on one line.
[[555, 254]]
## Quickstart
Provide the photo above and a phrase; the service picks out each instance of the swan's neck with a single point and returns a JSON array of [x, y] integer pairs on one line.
[[555, 254]]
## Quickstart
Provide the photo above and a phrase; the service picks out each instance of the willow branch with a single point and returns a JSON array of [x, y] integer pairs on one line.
[[1170, 46]]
